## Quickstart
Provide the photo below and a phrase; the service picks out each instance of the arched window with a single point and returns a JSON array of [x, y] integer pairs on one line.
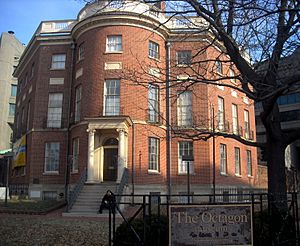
[[111, 141]]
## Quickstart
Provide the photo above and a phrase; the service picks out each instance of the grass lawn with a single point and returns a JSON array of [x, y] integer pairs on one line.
[[27, 205]]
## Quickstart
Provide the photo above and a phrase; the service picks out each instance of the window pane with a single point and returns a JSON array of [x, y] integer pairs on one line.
[[52, 157], [235, 125], [54, 110], [58, 61], [112, 97], [223, 159], [185, 149], [237, 161], [219, 67], [153, 103], [184, 57], [80, 52], [75, 154], [77, 103], [221, 115], [184, 108], [114, 43], [153, 154], [249, 163], [12, 109], [153, 50], [13, 91], [247, 125]]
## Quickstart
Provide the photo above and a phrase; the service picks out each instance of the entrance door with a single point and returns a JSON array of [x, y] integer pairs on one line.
[[110, 170]]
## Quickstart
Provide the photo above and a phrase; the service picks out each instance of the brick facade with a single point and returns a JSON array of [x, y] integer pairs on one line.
[[131, 67]]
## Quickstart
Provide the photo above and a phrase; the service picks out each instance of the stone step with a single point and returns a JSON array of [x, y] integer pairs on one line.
[[88, 201], [91, 214]]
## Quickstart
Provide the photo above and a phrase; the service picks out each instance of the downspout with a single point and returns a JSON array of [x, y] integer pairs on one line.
[[67, 172], [132, 161], [168, 120]]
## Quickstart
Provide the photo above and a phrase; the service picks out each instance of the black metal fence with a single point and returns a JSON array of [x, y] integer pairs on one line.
[[145, 217]]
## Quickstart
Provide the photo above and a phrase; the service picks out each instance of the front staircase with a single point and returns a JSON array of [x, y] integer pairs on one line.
[[88, 201]]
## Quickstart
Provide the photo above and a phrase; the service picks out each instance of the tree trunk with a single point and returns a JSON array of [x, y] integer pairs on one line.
[[276, 173]]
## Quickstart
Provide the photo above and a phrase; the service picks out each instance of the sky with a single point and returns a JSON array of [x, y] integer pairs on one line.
[[24, 16]]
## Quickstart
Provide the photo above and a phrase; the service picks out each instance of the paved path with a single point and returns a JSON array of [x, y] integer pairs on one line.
[[52, 229]]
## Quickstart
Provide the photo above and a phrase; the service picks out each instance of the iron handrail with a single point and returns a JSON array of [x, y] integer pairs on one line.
[[78, 187]]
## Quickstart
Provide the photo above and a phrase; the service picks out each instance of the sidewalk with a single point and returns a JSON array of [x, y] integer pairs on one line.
[[52, 229]]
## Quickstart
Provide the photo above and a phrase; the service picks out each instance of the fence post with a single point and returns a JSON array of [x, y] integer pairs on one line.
[[149, 213], [144, 217], [109, 224], [252, 207], [297, 218]]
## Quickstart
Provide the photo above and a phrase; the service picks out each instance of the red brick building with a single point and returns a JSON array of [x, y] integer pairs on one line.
[[92, 98]]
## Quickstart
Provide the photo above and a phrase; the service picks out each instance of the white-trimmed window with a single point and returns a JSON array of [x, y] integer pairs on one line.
[[114, 43], [54, 110], [153, 103], [247, 124], [184, 109], [235, 121], [13, 90], [58, 61], [112, 97], [219, 68], [153, 50], [184, 57], [153, 154], [232, 76], [75, 155], [237, 161], [185, 148], [12, 109], [78, 103], [221, 114], [81, 52], [249, 163], [52, 157], [223, 159]]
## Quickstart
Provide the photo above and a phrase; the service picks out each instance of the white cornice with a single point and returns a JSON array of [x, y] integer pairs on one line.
[[119, 20]]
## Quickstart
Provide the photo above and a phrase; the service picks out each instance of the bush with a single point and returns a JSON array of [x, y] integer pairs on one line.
[[156, 233], [278, 228]]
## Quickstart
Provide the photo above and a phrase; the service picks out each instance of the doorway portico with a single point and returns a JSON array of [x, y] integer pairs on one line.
[[107, 148]]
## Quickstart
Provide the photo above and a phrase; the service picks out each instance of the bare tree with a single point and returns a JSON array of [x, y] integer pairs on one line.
[[253, 36]]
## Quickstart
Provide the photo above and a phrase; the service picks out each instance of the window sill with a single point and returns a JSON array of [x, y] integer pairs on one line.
[[154, 123], [185, 174], [75, 172], [250, 176], [153, 172], [238, 175], [224, 174], [185, 127], [153, 58], [183, 65], [57, 69], [51, 173], [114, 52]]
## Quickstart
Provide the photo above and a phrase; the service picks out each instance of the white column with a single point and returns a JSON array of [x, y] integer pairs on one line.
[[121, 154], [91, 146]]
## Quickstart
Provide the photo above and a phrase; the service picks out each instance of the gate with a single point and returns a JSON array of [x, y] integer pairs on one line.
[[145, 218]]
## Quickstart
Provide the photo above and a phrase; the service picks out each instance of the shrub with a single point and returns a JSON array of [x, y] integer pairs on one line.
[[156, 233], [277, 227]]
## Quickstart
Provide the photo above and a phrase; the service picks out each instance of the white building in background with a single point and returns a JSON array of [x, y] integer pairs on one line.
[[11, 50]]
